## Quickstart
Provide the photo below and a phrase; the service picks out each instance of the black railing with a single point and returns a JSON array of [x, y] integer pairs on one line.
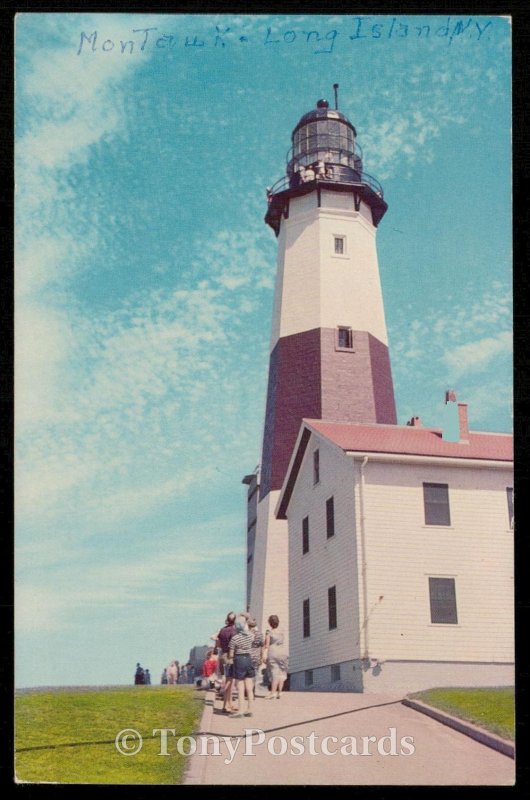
[[330, 175]]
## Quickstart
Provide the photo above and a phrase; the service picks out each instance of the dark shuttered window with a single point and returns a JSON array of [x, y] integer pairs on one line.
[[316, 466], [330, 518], [332, 607], [436, 504], [443, 600], [306, 619], [305, 535]]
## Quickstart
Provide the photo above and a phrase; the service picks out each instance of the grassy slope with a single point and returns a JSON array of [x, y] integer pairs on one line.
[[490, 708], [64, 716]]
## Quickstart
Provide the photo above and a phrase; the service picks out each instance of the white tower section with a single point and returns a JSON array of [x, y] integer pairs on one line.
[[317, 287]]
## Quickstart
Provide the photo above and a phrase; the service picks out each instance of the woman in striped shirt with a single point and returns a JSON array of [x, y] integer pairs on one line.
[[240, 650]]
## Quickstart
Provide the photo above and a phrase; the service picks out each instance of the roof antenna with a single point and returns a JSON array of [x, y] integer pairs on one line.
[[335, 87]]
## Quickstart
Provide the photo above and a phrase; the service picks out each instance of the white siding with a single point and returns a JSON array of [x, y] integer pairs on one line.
[[270, 578], [329, 562], [307, 264], [402, 552]]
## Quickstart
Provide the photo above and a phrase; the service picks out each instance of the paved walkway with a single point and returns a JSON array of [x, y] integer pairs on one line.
[[441, 756]]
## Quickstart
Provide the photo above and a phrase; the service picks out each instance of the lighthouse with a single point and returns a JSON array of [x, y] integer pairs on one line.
[[329, 355]]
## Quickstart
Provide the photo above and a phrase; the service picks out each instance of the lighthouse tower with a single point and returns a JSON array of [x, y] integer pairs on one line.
[[328, 352]]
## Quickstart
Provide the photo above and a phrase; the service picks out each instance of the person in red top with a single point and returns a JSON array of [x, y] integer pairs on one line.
[[209, 667]]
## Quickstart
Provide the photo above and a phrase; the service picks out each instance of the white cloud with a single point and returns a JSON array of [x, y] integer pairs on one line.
[[455, 348], [107, 406], [476, 356], [488, 399]]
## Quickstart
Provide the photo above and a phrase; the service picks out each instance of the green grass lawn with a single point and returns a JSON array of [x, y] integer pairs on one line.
[[84, 715], [490, 708]]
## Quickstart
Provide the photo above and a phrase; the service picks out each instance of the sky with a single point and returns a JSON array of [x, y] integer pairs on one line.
[[144, 284]]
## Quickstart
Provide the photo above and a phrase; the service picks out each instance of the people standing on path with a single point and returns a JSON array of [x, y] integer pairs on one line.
[[222, 644], [277, 657], [173, 673], [163, 679], [147, 678], [139, 676], [256, 650], [244, 673]]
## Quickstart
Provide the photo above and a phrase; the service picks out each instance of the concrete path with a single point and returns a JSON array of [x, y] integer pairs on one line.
[[432, 755]]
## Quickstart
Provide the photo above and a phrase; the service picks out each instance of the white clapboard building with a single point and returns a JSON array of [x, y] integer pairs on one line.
[[400, 557]]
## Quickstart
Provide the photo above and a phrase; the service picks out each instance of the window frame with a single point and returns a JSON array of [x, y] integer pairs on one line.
[[348, 347], [335, 673], [309, 678], [338, 237], [432, 599], [330, 517], [305, 535], [332, 608], [429, 506], [306, 618], [316, 466]]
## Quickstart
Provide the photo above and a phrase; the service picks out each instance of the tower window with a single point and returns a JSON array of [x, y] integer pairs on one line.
[[306, 619], [316, 466], [309, 677], [335, 673], [344, 338], [305, 535], [332, 607], [443, 600], [339, 245], [436, 503]]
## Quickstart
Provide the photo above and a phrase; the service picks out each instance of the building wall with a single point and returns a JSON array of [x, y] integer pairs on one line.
[[402, 552], [363, 675], [385, 639], [329, 562], [270, 579]]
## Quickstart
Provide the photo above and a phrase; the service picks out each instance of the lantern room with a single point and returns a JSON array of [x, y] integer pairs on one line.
[[324, 141]]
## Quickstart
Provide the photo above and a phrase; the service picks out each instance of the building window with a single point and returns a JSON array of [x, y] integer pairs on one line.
[[436, 503], [345, 338], [305, 535], [332, 607], [309, 677], [339, 245], [330, 518], [316, 466], [509, 497], [443, 600], [335, 673], [307, 620]]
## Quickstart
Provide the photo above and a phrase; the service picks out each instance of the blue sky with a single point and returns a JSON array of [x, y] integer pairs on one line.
[[144, 285]]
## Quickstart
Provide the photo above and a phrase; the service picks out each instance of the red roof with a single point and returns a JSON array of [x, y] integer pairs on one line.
[[398, 439], [411, 440]]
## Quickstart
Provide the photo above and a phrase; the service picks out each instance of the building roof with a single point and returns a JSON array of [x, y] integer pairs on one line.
[[411, 440], [400, 440]]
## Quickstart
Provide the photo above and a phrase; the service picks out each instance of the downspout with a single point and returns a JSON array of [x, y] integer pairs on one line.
[[364, 626]]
